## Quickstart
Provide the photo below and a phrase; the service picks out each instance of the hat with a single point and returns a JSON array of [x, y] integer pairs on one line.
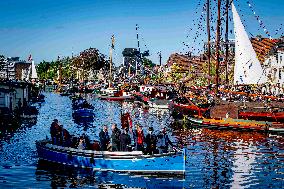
[[55, 120], [151, 129]]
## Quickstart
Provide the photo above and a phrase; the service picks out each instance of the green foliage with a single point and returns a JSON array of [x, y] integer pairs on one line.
[[147, 62], [89, 59]]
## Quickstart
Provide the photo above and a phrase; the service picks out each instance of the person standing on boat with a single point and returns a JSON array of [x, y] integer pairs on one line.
[[104, 138], [115, 137], [138, 136], [125, 140], [151, 141], [54, 130], [163, 141]]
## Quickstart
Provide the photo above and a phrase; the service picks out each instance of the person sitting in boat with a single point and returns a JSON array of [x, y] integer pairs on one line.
[[87, 141], [163, 141], [65, 137], [115, 138], [104, 138], [125, 140], [55, 131], [151, 141], [81, 143], [138, 136]]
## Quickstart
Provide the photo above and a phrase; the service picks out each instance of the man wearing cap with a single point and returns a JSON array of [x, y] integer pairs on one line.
[[54, 129], [151, 141], [115, 137], [104, 138], [125, 140], [163, 141]]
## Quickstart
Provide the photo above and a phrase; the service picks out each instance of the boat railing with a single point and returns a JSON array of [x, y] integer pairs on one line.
[[102, 154]]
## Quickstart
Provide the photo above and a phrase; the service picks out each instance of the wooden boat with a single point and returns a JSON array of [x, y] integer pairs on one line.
[[117, 96], [184, 106], [237, 124], [135, 161], [267, 116]]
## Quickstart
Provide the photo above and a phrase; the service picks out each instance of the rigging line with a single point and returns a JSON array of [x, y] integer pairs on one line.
[[194, 21], [260, 22], [197, 33]]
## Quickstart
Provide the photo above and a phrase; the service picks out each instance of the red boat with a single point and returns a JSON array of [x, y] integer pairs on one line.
[[263, 116], [119, 96], [185, 106]]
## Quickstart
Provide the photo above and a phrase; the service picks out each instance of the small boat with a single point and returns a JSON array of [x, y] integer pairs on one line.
[[159, 104], [237, 124], [135, 161], [83, 113], [117, 96]]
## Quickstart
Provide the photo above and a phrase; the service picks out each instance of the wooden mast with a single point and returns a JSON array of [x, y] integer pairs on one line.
[[139, 55], [110, 60], [209, 38], [218, 45], [227, 41], [60, 72]]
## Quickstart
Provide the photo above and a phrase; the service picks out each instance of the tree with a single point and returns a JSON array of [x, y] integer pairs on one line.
[[90, 59], [147, 62]]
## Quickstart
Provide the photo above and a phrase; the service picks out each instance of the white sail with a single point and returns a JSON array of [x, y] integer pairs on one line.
[[247, 68], [34, 74]]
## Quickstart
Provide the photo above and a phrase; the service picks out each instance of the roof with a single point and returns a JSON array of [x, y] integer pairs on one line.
[[263, 46]]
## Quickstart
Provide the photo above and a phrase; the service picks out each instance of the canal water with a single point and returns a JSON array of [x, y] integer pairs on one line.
[[215, 158]]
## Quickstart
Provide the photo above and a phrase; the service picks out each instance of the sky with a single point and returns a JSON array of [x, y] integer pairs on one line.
[[51, 28]]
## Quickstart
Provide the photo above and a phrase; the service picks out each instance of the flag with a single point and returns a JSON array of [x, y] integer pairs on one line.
[[30, 58]]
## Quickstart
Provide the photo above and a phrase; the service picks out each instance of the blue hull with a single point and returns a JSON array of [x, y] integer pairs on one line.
[[84, 112], [172, 163]]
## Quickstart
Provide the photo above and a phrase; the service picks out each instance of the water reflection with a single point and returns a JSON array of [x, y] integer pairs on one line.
[[64, 176]]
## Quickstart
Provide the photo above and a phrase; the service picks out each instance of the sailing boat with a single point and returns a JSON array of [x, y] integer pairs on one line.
[[111, 93], [247, 68], [247, 71]]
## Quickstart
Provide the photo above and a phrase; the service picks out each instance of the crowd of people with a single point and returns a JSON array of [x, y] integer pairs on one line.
[[125, 139]]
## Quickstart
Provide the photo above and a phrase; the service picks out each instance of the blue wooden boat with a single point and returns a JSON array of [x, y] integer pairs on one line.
[[83, 113], [135, 161]]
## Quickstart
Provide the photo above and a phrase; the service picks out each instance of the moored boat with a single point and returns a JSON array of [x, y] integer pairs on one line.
[[83, 113], [237, 124], [135, 161]]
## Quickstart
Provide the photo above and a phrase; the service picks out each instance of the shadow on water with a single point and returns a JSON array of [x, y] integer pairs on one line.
[[65, 176]]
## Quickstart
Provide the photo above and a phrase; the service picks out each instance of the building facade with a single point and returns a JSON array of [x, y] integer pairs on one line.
[[274, 67], [15, 69]]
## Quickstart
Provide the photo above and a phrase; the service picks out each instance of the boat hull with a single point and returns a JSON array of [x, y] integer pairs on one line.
[[171, 163], [118, 98], [83, 113], [238, 124]]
